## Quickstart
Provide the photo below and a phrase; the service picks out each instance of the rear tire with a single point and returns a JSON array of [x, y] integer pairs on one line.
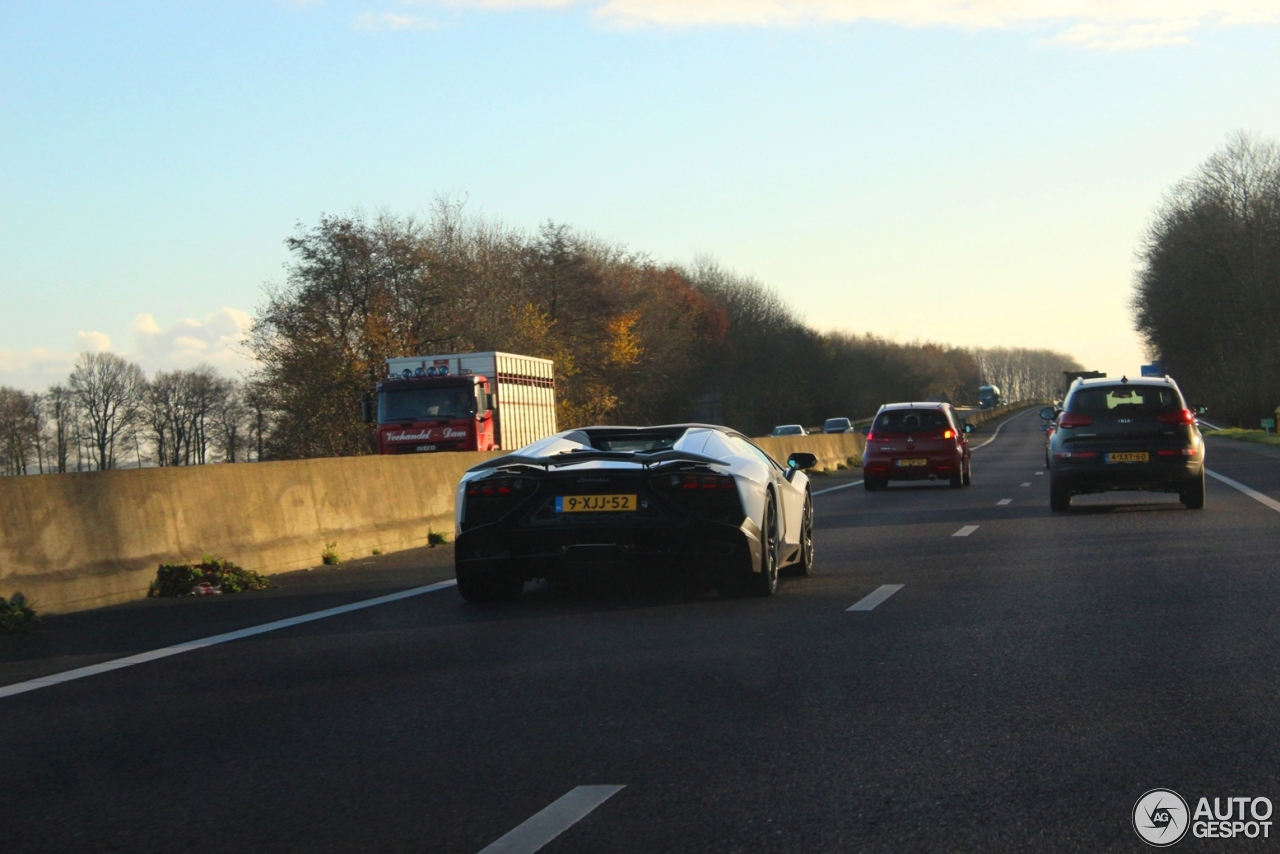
[[1059, 497], [804, 567], [869, 484], [968, 474], [957, 480], [1193, 494], [765, 582]]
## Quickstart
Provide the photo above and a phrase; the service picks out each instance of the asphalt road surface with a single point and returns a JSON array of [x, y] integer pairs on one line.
[[1033, 675]]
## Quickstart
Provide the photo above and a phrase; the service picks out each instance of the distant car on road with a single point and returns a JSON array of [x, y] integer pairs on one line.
[[837, 425], [789, 430], [684, 498], [1125, 435], [916, 441]]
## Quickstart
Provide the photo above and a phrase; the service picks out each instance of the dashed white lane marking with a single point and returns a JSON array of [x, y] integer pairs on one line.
[[549, 823], [1028, 483], [1039, 473], [1264, 500], [965, 531], [190, 646], [834, 488], [875, 597], [1003, 501]]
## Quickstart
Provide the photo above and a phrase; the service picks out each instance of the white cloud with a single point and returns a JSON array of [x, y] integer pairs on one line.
[[392, 21], [1098, 24], [218, 340]]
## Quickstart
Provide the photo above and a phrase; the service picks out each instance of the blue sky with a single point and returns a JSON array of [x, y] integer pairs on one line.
[[974, 172]]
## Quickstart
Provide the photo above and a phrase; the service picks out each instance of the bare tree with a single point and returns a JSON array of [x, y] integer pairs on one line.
[[19, 430], [109, 390], [60, 417]]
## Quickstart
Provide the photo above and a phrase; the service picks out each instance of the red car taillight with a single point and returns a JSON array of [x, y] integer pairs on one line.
[[1181, 416], [1074, 419]]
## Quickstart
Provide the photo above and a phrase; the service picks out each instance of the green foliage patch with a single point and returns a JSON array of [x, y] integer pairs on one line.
[[330, 556], [15, 613], [211, 575], [1257, 436], [437, 538]]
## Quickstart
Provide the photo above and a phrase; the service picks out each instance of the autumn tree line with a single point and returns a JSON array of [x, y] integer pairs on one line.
[[1207, 300], [634, 341]]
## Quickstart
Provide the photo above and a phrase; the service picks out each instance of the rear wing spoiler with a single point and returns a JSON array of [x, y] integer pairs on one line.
[[570, 458]]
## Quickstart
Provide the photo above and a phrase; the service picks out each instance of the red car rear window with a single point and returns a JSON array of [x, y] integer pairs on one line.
[[910, 421]]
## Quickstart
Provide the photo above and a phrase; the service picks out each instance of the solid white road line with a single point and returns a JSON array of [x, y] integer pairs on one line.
[[875, 597], [998, 429], [834, 488], [552, 821], [965, 531], [1028, 483], [189, 646], [1003, 501], [1265, 500]]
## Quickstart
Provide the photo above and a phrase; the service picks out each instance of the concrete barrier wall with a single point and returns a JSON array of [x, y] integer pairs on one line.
[[832, 450], [74, 541], [69, 542]]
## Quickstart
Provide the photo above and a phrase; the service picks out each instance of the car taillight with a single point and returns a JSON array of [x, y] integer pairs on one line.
[[707, 496], [1074, 419], [871, 437], [1181, 416], [948, 434], [1075, 455], [491, 498], [1181, 452]]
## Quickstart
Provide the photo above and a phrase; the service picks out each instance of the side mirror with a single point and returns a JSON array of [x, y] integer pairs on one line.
[[1200, 410], [801, 460], [366, 408], [1048, 413], [968, 428]]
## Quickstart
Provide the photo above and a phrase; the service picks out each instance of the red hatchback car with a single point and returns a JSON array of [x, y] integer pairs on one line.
[[916, 441]]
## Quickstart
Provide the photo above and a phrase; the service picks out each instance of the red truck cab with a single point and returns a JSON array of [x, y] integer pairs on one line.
[[421, 413]]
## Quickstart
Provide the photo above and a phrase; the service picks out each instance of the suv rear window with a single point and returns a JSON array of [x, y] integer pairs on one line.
[[910, 421], [1124, 398]]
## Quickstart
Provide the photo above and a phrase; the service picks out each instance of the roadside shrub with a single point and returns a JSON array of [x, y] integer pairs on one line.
[[211, 575], [15, 613], [377, 552], [329, 557], [437, 538]]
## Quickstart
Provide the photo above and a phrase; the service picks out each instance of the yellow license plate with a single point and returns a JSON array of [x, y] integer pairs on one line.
[[912, 462], [595, 503], [1139, 457]]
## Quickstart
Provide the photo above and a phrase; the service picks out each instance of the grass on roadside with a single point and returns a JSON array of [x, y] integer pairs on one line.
[[1256, 436], [15, 613]]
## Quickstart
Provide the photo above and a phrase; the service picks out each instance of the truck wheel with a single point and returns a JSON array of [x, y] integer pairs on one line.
[[1192, 494], [1059, 497]]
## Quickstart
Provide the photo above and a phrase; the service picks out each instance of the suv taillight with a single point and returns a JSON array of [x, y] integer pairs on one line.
[[1181, 416], [1074, 419]]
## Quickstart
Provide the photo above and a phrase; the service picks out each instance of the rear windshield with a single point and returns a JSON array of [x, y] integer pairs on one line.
[[643, 442], [836, 424], [910, 421], [1124, 398]]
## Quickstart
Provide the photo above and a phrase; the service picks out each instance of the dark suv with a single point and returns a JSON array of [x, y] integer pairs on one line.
[[1125, 435]]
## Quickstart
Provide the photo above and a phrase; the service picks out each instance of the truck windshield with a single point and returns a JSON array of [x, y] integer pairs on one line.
[[421, 404]]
